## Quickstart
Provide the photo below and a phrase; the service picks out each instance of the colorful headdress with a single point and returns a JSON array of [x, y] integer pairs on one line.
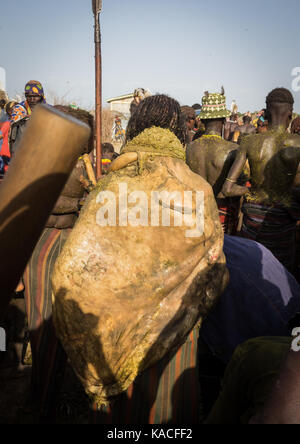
[[35, 87], [18, 113], [214, 106]]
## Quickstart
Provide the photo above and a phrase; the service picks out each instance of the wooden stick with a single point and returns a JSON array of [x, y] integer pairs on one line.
[[97, 7], [122, 161], [89, 169], [37, 174], [240, 216]]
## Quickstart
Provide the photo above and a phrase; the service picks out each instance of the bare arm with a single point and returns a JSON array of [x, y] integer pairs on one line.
[[230, 188], [297, 178], [226, 131]]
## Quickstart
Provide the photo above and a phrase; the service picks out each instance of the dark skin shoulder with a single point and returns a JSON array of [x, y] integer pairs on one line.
[[212, 159], [274, 164], [292, 145], [229, 129]]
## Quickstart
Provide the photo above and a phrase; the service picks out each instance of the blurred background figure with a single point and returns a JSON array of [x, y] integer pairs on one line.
[[234, 107], [108, 155], [245, 129], [138, 95], [34, 94], [190, 121], [3, 101], [118, 131], [197, 107], [230, 127], [295, 128]]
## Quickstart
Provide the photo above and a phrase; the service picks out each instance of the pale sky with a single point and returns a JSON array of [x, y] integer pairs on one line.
[[181, 48]]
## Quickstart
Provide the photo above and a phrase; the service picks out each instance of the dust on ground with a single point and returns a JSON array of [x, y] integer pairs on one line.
[[73, 404]]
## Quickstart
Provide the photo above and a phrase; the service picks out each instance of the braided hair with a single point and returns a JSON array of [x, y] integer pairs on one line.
[[161, 111]]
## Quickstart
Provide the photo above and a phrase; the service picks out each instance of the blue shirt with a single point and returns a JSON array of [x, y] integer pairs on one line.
[[260, 300]]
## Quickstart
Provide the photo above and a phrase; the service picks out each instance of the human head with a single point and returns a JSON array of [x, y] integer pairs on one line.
[[197, 107], [214, 106], [15, 111], [139, 95], [9, 106], [190, 116], [295, 128], [3, 99], [85, 117], [34, 93], [246, 119], [280, 103], [107, 150], [214, 111], [161, 111]]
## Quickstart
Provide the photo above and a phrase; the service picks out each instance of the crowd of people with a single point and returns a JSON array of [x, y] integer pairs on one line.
[[225, 370]]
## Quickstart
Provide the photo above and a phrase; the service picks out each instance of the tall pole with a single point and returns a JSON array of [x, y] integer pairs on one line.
[[97, 7]]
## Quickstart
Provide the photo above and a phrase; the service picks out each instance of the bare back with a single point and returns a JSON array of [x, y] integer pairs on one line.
[[211, 157], [274, 160]]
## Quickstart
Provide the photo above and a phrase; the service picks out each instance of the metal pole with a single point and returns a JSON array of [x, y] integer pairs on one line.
[[97, 6]]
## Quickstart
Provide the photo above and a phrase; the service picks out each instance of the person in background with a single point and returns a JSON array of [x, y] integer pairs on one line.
[[34, 94], [3, 101], [197, 107], [3, 118], [15, 111], [119, 132], [230, 127], [190, 120], [295, 127], [138, 95], [245, 129], [270, 209], [48, 356], [108, 155], [211, 157]]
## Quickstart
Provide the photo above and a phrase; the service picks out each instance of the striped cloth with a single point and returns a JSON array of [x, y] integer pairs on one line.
[[228, 214], [166, 393], [274, 227], [48, 356]]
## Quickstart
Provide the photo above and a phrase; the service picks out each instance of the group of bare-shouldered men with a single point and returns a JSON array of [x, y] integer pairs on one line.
[[270, 159]]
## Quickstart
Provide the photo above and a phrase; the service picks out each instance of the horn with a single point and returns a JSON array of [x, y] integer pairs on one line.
[[122, 161]]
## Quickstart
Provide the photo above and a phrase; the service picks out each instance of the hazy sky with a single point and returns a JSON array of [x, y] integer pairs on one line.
[[181, 48]]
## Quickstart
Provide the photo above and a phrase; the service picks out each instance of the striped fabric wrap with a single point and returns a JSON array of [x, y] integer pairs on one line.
[[48, 356], [274, 227], [166, 393], [228, 214]]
